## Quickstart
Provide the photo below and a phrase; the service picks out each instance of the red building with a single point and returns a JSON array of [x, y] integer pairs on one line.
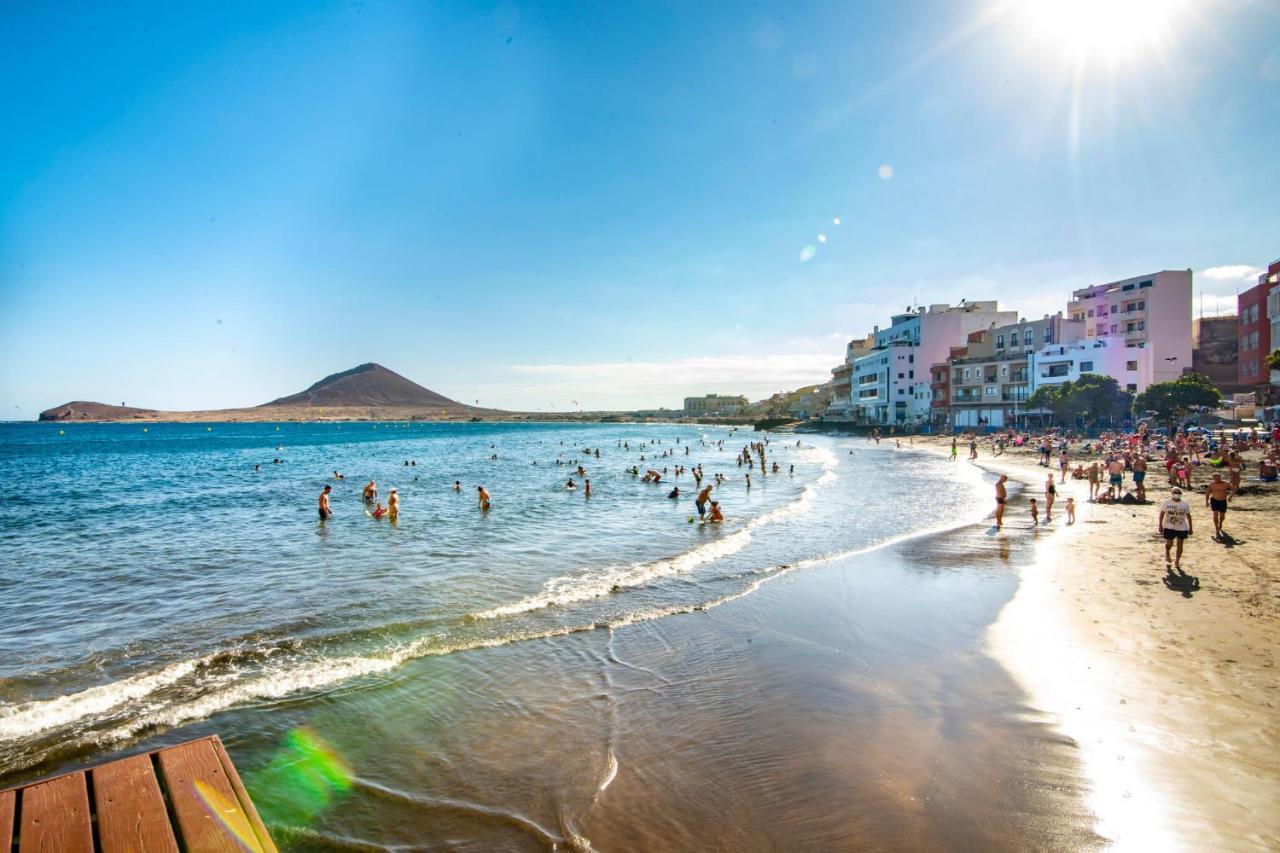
[[1255, 329]]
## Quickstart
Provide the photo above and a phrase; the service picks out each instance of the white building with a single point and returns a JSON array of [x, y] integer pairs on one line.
[[891, 383], [1151, 312], [1133, 367]]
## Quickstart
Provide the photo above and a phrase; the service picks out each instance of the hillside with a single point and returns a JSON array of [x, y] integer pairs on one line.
[[368, 385], [84, 410], [367, 392]]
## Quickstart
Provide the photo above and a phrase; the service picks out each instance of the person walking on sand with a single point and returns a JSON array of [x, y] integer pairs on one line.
[[1002, 495], [1174, 525], [325, 512], [370, 492], [483, 496], [1216, 497], [1071, 510], [954, 449], [1063, 463], [1095, 480], [973, 449], [1035, 513], [1050, 495]]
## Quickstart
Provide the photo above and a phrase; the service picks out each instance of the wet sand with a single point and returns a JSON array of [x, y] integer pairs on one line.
[[1170, 690], [847, 706]]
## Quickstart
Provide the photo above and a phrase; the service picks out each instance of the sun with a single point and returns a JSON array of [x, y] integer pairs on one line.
[[1109, 30]]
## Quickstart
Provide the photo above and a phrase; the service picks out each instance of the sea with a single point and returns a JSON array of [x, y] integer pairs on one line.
[[458, 672]]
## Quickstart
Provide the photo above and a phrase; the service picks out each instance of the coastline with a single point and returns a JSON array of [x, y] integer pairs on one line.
[[1171, 698]]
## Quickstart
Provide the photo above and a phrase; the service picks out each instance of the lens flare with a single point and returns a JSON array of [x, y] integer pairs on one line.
[[304, 777], [885, 171], [807, 253], [822, 238]]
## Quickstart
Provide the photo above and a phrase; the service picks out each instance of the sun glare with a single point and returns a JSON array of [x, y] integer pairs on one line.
[[1111, 30]]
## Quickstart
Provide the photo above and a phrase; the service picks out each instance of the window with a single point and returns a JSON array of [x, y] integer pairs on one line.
[[1129, 327], [1058, 370], [1013, 339], [899, 392], [1131, 388], [1131, 365], [1004, 370], [911, 359], [1113, 328], [991, 390], [911, 374], [1048, 334], [1142, 306], [1142, 325], [901, 376], [1146, 283], [999, 341], [1086, 366], [1090, 312]]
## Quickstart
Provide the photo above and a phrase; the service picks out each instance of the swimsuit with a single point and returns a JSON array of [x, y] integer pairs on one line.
[[1218, 505]]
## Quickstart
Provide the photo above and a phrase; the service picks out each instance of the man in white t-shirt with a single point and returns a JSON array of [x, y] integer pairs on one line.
[[1174, 525]]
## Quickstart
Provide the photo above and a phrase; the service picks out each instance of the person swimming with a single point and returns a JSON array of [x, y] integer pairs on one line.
[[674, 494], [570, 485], [379, 510], [457, 486]]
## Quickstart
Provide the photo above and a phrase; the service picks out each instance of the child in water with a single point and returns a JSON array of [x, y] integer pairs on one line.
[[379, 511]]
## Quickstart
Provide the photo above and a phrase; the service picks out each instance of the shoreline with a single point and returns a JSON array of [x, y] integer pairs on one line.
[[1171, 698]]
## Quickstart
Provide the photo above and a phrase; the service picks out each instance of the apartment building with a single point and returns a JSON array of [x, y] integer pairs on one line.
[[991, 381], [711, 405], [841, 402], [1256, 339], [892, 383], [1151, 312]]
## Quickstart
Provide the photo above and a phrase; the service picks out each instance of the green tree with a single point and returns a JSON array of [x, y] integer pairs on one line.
[[1090, 399], [1171, 401], [1095, 398], [1273, 360]]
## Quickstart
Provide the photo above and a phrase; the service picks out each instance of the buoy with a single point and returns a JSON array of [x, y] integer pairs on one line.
[[210, 429], [62, 432], [144, 429]]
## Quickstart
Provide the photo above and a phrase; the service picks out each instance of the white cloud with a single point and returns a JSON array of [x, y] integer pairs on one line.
[[1233, 272], [625, 385]]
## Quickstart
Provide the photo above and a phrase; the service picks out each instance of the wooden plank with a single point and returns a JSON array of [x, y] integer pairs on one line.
[[205, 805], [131, 812], [250, 810], [55, 816], [8, 799]]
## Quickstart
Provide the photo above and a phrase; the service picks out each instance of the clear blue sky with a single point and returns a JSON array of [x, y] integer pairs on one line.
[[207, 205]]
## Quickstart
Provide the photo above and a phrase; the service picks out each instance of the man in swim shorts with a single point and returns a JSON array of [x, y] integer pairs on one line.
[[325, 512], [1117, 475], [701, 501], [484, 497], [1216, 497], [1140, 475]]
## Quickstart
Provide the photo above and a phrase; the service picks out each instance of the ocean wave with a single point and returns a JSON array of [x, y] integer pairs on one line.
[[574, 589]]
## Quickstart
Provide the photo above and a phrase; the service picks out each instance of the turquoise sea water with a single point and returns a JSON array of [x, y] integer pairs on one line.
[[153, 579]]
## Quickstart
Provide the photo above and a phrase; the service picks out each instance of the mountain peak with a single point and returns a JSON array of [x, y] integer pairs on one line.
[[368, 384]]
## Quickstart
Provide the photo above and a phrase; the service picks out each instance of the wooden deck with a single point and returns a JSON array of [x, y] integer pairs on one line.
[[185, 797]]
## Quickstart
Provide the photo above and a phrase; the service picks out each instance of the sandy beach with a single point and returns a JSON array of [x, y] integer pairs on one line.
[[1170, 693]]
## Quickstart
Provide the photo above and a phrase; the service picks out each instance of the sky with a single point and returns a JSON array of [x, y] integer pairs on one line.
[[612, 205]]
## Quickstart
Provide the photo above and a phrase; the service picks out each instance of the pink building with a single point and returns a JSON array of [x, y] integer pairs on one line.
[[1148, 312]]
